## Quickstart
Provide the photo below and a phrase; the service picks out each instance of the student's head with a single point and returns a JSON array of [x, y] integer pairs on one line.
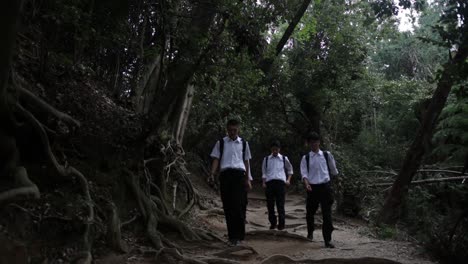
[[275, 147], [313, 141], [232, 128]]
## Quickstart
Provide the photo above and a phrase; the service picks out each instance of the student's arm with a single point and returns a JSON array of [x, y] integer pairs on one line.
[[331, 161], [304, 174], [215, 154], [264, 173], [214, 169], [248, 156], [248, 184], [289, 171]]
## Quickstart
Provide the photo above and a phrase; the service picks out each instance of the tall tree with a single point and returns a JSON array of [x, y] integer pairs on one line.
[[453, 71]]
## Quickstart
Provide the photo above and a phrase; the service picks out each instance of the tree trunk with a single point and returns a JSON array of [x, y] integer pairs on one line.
[[184, 112], [146, 90], [266, 63], [391, 210], [169, 97]]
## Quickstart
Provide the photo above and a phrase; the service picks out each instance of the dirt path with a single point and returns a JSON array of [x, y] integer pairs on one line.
[[351, 238]]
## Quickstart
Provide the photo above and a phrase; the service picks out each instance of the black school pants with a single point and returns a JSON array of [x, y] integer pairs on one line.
[[275, 193], [320, 194], [232, 186]]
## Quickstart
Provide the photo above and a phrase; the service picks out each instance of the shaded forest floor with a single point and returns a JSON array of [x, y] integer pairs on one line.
[[354, 241]]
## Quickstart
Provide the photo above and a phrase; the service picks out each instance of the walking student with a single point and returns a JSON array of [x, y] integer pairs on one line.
[[276, 175], [316, 168], [231, 155]]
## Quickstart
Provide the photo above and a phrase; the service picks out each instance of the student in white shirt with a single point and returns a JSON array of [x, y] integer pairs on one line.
[[231, 155], [317, 166], [276, 175]]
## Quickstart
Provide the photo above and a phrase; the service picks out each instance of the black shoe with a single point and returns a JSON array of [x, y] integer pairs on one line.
[[329, 245], [310, 236], [280, 227], [272, 227]]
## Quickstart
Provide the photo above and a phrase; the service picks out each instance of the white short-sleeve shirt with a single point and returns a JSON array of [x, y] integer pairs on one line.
[[232, 154], [318, 171], [276, 168]]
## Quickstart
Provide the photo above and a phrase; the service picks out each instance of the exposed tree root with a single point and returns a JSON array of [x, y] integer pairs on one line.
[[207, 235], [128, 221], [209, 260], [27, 190], [114, 236], [147, 209], [282, 259], [84, 258], [230, 252], [172, 255], [276, 233], [187, 233], [43, 106], [67, 172]]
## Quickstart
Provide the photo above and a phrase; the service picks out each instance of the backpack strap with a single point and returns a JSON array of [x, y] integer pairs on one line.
[[244, 144], [266, 163], [325, 154], [221, 148], [307, 157]]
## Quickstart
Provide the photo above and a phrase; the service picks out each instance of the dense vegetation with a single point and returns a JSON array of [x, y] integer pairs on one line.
[[153, 82]]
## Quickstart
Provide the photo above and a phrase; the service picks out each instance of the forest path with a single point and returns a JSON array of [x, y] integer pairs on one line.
[[353, 239]]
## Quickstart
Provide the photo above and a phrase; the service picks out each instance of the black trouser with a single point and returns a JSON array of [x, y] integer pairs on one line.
[[275, 192], [245, 202], [232, 184], [320, 194]]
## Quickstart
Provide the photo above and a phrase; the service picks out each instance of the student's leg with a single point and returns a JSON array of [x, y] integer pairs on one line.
[[312, 204], [280, 199], [225, 183], [270, 197], [326, 203], [238, 187], [245, 202]]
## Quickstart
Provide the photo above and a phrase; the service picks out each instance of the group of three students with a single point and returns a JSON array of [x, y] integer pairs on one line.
[[231, 156]]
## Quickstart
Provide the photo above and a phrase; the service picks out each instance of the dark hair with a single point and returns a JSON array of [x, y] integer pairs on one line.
[[312, 137], [275, 143], [233, 122]]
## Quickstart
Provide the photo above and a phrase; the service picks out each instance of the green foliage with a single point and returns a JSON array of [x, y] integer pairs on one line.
[[451, 137], [386, 232], [438, 218]]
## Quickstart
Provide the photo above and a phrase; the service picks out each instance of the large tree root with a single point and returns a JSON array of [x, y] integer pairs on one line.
[[155, 216], [282, 259], [172, 255], [27, 190], [32, 99], [147, 209], [231, 252], [114, 236], [277, 233], [66, 172]]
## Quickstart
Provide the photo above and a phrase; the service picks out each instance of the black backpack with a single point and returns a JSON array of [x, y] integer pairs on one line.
[[221, 148], [284, 165], [325, 154]]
